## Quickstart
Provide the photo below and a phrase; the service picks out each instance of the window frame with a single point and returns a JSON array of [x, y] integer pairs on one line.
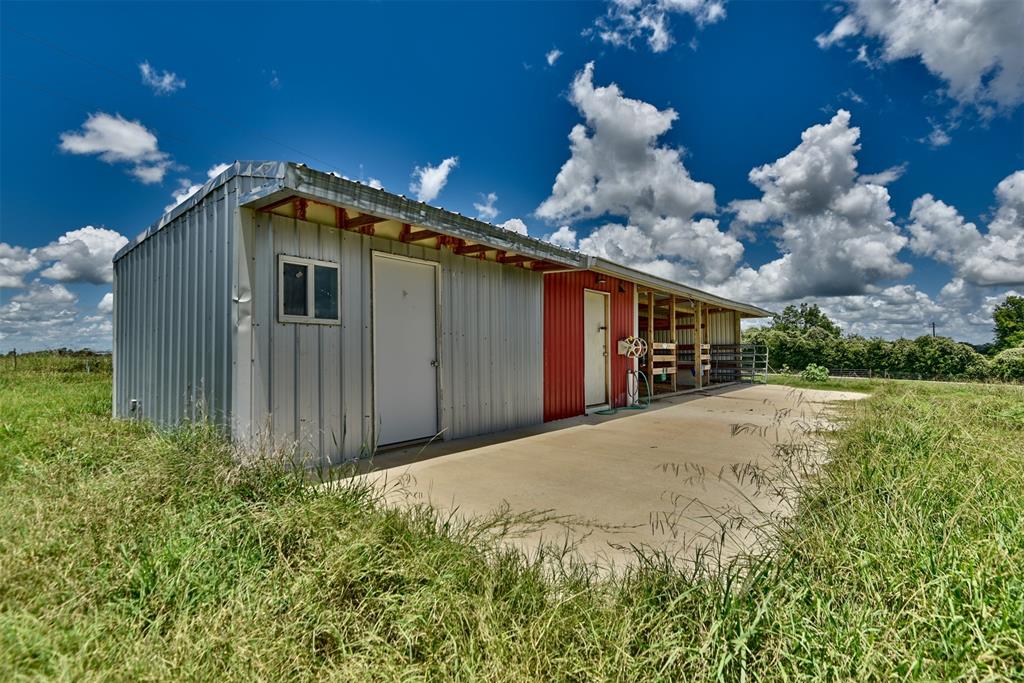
[[310, 317]]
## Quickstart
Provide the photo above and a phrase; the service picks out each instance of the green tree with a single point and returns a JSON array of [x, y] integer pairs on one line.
[[942, 357], [1008, 365], [802, 335], [804, 319], [1009, 320]]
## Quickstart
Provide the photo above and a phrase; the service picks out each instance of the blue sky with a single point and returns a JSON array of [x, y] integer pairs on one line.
[[374, 91]]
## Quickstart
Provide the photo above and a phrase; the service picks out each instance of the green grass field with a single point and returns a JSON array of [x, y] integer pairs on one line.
[[127, 554]]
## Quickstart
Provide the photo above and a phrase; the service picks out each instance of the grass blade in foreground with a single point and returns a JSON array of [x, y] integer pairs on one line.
[[129, 554]]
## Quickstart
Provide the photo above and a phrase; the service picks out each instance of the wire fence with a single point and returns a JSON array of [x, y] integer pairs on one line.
[[56, 361], [869, 373]]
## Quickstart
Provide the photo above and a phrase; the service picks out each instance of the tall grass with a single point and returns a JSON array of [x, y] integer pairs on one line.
[[130, 554]]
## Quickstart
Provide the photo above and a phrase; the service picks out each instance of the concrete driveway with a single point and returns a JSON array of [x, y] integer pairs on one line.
[[690, 475]]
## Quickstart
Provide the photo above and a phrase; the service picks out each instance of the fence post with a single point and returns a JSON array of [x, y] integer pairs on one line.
[[15, 352]]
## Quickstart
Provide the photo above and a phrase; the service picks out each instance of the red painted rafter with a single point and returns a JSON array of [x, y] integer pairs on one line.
[[279, 203], [363, 221], [450, 242], [473, 249], [420, 235]]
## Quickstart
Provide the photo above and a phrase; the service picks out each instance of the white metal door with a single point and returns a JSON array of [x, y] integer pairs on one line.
[[405, 348], [595, 347]]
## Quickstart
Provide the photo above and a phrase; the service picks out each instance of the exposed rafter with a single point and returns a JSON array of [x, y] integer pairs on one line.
[[468, 250], [278, 204], [450, 242], [514, 259], [419, 235], [363, 221]]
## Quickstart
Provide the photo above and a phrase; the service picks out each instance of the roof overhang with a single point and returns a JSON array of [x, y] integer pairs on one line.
[[622, 272], [302, 182], [280, 181]]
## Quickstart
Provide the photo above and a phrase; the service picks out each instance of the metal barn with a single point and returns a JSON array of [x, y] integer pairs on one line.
[[298, 308]]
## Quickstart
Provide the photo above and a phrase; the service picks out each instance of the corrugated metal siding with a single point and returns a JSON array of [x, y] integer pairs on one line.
[[563, 340], [312, 385], [683, 337], [172, 329], [722, 327], [719, 327]]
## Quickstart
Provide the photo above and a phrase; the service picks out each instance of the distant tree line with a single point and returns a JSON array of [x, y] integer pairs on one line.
[[803, 335], [62, 351], [56, 360]]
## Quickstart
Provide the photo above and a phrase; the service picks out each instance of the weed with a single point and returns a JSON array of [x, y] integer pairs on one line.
[[130, 553]]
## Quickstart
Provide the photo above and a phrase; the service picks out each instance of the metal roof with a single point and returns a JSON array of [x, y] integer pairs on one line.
[[618, 270], [284, 178]]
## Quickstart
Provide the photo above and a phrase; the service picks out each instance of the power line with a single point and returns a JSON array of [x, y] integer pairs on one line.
[[178, 101]]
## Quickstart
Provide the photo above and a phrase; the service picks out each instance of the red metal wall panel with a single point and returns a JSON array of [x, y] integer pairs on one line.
[[563, 339]]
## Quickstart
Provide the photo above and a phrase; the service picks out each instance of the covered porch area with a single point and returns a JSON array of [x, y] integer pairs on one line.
[[693, 337]]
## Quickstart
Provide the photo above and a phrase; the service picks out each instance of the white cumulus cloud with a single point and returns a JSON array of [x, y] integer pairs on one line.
[[428, 181], [82, 255], [115, 139], [974, 46], [886, 177], [515, 225], [162, 82], [939, 135], [106, 304], [47, 316], [618, 168], [834, 230], [15, 263], [486, 210], [995, 257], [216, 170], [627, 21], [848, 26], [563, 237], [186, 188], [552, 56]]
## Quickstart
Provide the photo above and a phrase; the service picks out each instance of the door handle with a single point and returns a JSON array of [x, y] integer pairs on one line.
[[435, 363]]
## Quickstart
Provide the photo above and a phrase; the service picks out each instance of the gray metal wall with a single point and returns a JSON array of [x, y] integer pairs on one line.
[[312, 385], [172, 325], [721, 327]]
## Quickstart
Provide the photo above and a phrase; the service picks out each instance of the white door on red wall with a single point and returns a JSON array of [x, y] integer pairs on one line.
[[595, 347], [405, 349]]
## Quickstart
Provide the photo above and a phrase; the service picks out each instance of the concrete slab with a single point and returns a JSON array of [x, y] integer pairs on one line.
[[687, 476]]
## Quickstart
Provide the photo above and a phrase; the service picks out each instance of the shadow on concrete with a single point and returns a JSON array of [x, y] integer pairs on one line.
[[387, 458]]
